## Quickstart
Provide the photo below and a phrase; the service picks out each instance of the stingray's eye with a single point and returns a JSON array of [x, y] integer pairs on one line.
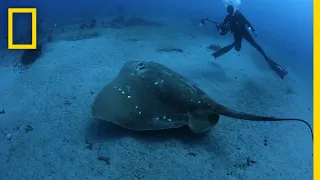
[[141, 65]]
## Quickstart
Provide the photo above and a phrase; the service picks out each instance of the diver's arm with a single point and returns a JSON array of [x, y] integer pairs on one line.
[[223, 32], [248, 23], [223, 26]]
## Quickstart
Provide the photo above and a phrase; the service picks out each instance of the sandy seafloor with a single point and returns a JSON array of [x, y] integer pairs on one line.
[[54, 95]]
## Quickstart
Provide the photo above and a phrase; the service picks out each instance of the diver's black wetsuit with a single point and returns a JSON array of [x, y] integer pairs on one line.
[[238, 25]]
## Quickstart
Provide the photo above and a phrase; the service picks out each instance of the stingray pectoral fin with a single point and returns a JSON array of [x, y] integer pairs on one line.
[[108, 105], [199, 124], [98, 108]]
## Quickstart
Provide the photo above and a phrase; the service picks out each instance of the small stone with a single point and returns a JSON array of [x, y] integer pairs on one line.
[[192, 154], [9, 136], [28, 128], [67, 102], [105, 159]]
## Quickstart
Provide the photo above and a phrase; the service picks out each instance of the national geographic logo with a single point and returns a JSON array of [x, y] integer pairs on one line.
[[33, 12]]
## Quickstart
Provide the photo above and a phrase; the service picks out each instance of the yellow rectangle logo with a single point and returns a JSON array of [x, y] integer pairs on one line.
[[33, 44]]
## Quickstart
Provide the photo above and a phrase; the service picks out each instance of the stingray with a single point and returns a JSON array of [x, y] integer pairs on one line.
[[150, 96]]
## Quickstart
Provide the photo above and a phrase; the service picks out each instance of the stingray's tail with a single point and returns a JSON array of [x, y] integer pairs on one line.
[[239, 115]]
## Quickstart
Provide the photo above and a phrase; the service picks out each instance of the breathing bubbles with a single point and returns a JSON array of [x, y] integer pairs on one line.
[[234, 3]]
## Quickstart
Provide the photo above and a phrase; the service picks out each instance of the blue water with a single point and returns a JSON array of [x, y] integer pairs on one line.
[[284, 27]]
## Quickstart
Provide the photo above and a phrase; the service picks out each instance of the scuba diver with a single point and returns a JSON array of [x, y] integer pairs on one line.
[[237, 24]]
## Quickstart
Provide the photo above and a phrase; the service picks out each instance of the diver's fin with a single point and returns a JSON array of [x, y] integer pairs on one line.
[[222, 51], [277, 69], [199, 124]]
